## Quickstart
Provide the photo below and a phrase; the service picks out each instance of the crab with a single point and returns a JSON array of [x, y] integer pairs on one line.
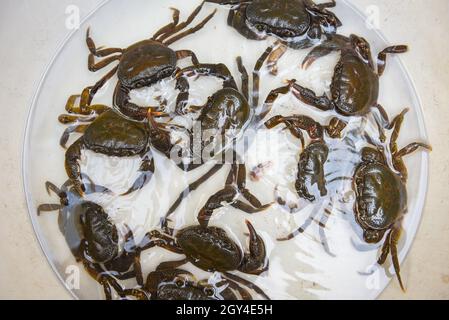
[[226, 114], [227, 109], [381, 194], [313, 157], [140, 65], [355, 84], [210, 249], [298, 24], [178, 284], [235, 186], [112, 135], [93, 238]]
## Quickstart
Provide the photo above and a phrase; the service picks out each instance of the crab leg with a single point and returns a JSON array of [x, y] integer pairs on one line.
[[385, 249], [249, 284], [169, 27], [147, 169], [73, 155], [51, 187], [302, 228], [170, 265], [272, 97], [274, 57], [394, 239], [245, 78], [256, 74], [322, 232], [66, 135], [95, 66], [294, 130], [190, 31], [241, 185], [255, 258], [182, 84], [330, 4], [82, 109], [398, 162], [183, 54], [245, 295], [182, 25], [48, 208], [235, 185], [128, 109], [215, 70], [309, 97], [227, 195], [381, 59], [383, 115], [100, 84], [102, 52], [69, 118], [324, 49], [298, 122], [85, 107], [192, 187]]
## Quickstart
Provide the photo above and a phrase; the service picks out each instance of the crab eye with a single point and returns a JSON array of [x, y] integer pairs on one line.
[[209, 291], [261, 27], [179, 282], [289, 34]]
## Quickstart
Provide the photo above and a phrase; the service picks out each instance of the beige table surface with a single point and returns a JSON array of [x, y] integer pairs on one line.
[[30, 32]]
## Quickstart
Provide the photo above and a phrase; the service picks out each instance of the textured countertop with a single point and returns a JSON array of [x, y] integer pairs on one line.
[[31, 31]]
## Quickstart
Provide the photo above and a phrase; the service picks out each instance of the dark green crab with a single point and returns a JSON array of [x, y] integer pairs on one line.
[[112, 135], [140, 65], [209, 249], [93, 238], [298, 24], [381, 194]]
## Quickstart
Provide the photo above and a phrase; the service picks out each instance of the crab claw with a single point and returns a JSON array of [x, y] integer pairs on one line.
[[204, 216], [290, 82], [254, 260]]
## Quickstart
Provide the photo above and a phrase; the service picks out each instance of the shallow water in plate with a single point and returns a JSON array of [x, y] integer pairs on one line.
[[300, 268]]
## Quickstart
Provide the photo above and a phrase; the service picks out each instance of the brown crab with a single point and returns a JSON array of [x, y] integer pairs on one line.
[[381, 194], [140, 65], [112, 135], [355, 84], [314, 156], [298, 24], [93, 238], [178, 284], [211, 250]]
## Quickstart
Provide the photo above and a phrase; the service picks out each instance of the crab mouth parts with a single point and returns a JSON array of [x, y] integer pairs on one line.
[[142, 82], [282, 33]]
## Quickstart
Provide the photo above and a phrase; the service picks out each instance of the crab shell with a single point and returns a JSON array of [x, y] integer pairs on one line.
[[227, 109], [210, 249], [279, 16], [100, 233], [112, 135], [310, 168], [82, 220], [355, 86], [180, 285], [145, 63], [226, 115], [381, 198]]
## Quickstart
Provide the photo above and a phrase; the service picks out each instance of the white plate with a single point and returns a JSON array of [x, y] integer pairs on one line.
[[299, 269]]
